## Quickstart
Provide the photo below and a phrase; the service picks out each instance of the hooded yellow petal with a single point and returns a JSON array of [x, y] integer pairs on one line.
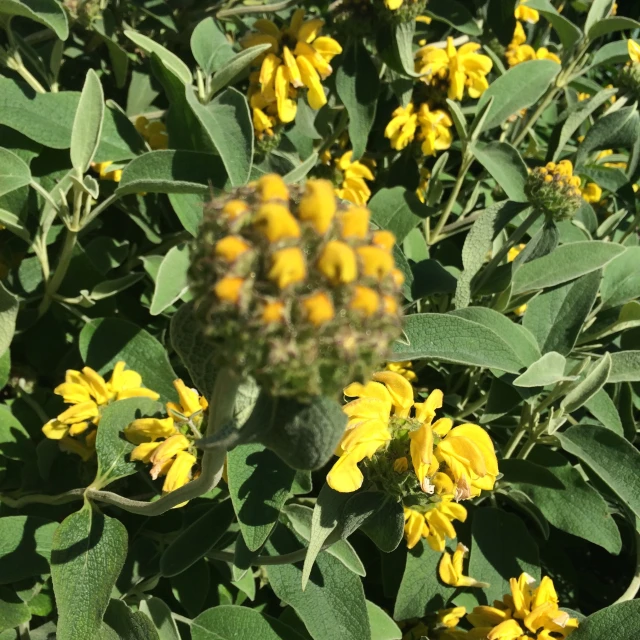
[[426, 411], [311, 80], [55, 430]]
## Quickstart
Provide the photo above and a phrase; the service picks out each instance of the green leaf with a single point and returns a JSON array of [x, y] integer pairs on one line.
[[620, 621], [299, 172], [478, 243], [13, 612], [455, 14], [14, 172], [515, 335], [301, 517], [621, 279], [227, 123], [382, 625], [129, 625], [171, 171], [547, 370], [110, 288], [358, 86], [197, 539], [171, 60], [5, 367], [564, 497], [611, 53], [566, 263], [396, 210], [191, 587], [556, 317], [210, 47], [160, 615], [15, 441], [459, 120], [47, 12], [521, 87], [87, 124], [421, 591], [229, 622], [568, 32], [592, 383], [599, 9], [501, 548], [8, 314], [259, 484], [506, 166], [625, 366], [332, 605], [617, 129], [14, 224], [171, 282], [602, 407], [189, 208], [235, 66], [89, 550], [105, 341], [449, 338], [576, 115], [610, 456], [611, 25], [111, 447], [25, 547], [385, 526]]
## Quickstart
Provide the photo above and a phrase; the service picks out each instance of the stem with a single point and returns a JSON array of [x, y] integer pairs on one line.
[[634, 586], [514, 238], [222, 403], [518, 434], [467, 161], [40, 498], [528, 447], [178, 618], [45, 194], [286, 558], [60, 272], [100, 208], [546, 101]]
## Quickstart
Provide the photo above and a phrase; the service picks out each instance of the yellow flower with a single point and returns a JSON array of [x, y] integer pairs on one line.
[[404, 369], [287, 267], [519, 36], [401, 130], [365, 300], [469, 455], [613, 165], [338, 263], [149, 429], [166, 452], [583, 96], [435, 130], [450, 617], [155, 133], [592, 193], [526, 610], [88, 393], [464, 68], [298, 58], [228, 289], [103, 171], [276, 222], [393, 5], [514, 252], [353, 187], [318, 205], [318, 308], [231, 248], [179, 473], [436, 525], [526, 14], [375, 262], [234, 209], [423, 186], [269, 187], [451, 572], [400, 465], [524, 53], [354, 223], [191, 405], [273, 311], [634, 51]]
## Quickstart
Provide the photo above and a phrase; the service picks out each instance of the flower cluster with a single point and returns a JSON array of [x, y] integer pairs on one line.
[[298, 57], [293, 288], [350, 176], [460, 69], [432, 127], [518, 51], [447, 463], [167, 443], [555, 190], [528, 612], [88, 394]]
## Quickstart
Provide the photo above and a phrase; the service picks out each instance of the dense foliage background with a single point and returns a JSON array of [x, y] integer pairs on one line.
[[497, 140]]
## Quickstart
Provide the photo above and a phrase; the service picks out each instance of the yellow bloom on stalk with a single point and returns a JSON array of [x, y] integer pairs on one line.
[[525, 612], [354, 173], [592, 193], [401, 130], [435, 526], [405, 369], [451, 571], [298, 57], [464, 68], [88, 393], [634, 51], [526, 14]]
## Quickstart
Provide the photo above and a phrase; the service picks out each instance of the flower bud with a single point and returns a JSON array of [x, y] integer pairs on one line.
[[554, 190]]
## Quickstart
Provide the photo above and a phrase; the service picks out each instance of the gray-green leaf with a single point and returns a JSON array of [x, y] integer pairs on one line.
[[87, 124]]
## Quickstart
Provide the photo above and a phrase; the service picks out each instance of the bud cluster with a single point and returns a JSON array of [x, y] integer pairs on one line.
[[555, 190], [293, 288]]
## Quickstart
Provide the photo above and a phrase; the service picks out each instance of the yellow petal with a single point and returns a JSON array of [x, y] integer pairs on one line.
[[318, 205], [311, 80], [337, 263], [310, 29], [79, 413], [55, 430], [446, 570], [426, 411], [180, 472], [145, 429], [97, 384], [144, 451], [287, 267]]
